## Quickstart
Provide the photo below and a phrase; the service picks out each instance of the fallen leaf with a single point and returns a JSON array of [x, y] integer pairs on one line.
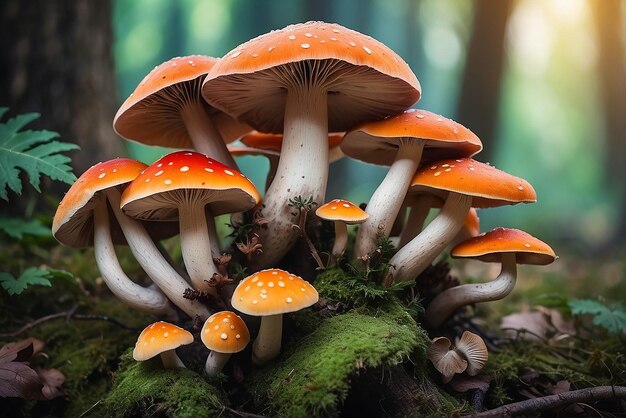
[[18, 380]]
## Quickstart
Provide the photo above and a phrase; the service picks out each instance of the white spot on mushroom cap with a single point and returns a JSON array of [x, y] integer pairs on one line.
[[230, 173], [158, 173], [210, 170], [305, 45], [235, 54], [101, 176], [292, 37], [224, 336], [168, 182]]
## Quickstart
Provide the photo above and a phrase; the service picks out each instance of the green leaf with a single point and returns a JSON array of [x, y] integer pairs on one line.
[[612, 319], [32, 152], [30, 276], [16, 228]]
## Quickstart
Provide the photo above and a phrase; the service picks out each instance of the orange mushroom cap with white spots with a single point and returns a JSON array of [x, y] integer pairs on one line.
[[487, 185], [488, 247], [156, 192], [73, 220], [225, 332], [377, 142], [365, 79], [150, 115], [341, 210], [159, 337], [273, 292]]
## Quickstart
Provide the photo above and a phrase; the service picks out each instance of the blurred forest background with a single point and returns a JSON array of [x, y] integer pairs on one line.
[[542, 82]]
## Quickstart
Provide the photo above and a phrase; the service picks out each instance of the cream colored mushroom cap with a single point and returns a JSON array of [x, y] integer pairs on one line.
[[273, 292]]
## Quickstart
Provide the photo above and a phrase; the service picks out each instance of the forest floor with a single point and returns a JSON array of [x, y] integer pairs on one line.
[[361, 351]]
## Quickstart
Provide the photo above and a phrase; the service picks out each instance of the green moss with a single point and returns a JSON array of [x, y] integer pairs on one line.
[[143, 389], [314, 374]]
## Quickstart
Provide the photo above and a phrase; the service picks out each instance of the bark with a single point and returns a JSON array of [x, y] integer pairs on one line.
[[55, 59], [480, 91]]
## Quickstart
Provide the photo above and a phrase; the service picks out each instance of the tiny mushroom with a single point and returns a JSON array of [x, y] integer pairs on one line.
[[303, 81], [167, 109], [82, 219], [190, 187], [270, 294], [223, 333], [461, 183], [474, 350], [401, 142], [448, 362], [162, 338], [343, 213], [506, 246]]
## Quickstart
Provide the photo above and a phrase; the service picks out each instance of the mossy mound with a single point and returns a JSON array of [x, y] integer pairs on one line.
[[145, 389], [314, 374]]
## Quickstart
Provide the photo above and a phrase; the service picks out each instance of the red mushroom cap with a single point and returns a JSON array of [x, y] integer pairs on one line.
[[159, 189]]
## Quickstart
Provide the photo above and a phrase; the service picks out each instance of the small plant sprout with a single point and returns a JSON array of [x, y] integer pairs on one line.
[[300, 82], [461, 183], [270, 294], [162, 338], [224, 333], [342, 213], [189, 187], [509, 247]]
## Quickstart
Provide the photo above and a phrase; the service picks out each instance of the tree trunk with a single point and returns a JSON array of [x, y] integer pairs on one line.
[[480, 92], [612, 77], [55, 59]]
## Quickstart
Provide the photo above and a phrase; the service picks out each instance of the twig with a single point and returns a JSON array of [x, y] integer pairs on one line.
[[301, 228], [69, 314], [241, 414], [531, 406]]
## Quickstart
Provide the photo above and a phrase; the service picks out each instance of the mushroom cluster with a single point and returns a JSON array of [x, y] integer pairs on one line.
[[294, 86]]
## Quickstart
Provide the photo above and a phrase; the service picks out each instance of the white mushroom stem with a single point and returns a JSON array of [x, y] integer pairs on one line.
[[145, 299], [195, 244], [341, 239], [171, 360], [302, 171], [414, 257], [266, 347], [448, 301], [204, 135], [153, 263], [386, 201], [215, 362], [417, 216]]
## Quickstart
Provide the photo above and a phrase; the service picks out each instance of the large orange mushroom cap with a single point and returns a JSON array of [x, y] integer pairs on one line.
[[224, 189], [150, 114], [487, 185], [489, 247], [365, 79], [73, 224]]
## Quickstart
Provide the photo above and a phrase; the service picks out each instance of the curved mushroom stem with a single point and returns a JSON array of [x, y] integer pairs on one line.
[[215, 362], [153, 263], [145, 299], [386, 201], [171, 360], [204, 135], [302, 171], [448, 301], [266, 347], [341, 239], [417, 216], [413, 258], [195, 244]]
